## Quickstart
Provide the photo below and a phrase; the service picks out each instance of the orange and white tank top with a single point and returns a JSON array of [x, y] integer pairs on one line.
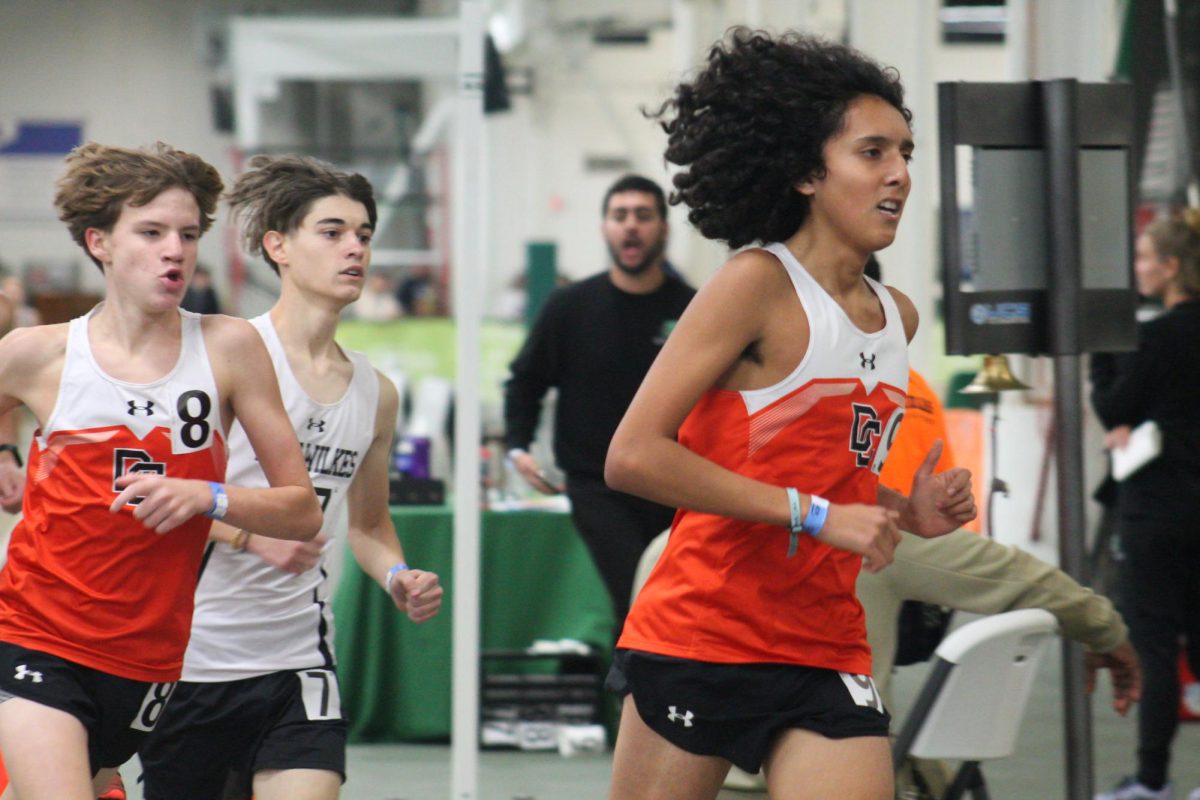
[[96, 587], [724, 590]]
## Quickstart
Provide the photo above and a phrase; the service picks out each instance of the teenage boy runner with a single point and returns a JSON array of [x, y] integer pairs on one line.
[[258, 708], [133, 401]]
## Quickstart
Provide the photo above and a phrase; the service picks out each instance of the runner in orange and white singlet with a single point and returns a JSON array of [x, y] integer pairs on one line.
[[133, 402], [765, 420]]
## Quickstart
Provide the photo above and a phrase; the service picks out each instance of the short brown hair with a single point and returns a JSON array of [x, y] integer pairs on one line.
[[275, 193], [100, 179]]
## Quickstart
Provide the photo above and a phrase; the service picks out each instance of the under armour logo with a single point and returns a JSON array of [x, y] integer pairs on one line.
[[675, 716], [867, 362], [319, 424], [146, 408], [23, 670]]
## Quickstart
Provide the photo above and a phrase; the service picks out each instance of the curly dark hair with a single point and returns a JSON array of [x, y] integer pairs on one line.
[[755, 121], [275, 193], [101, 179]]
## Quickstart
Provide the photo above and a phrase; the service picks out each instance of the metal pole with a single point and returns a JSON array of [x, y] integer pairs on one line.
[[469, 241], [1068, 400], [1062, 183], [1180, 87]]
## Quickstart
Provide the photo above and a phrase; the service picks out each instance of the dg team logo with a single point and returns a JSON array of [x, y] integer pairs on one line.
[[979, 313]]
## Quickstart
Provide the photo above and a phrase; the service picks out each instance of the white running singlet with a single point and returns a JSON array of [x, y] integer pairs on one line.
[[252, 619]]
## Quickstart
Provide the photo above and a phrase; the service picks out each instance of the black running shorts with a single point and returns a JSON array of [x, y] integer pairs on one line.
[[117, 713], [216, 735], [735, 711]]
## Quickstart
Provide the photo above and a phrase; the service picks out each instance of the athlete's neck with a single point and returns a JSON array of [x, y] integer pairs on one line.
[[832, 263], [306, 329], [131, 345]]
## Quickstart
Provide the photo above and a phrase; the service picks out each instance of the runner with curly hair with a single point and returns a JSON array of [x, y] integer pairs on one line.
[[766, 420]]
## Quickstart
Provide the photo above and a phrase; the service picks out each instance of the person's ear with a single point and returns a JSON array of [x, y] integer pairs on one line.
[[806, 187], [273, 246], [98, 245], [1171, 265]]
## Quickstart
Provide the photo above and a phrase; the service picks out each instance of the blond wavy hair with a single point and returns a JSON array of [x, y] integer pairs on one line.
[[1178, 237], [101, 179]]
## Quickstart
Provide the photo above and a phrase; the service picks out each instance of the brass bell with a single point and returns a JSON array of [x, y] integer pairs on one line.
[[994, 377]]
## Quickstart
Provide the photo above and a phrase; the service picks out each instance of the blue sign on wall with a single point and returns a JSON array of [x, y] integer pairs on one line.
[[43, 139]]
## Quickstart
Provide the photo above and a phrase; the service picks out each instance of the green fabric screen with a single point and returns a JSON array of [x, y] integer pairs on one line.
[[538, 582]]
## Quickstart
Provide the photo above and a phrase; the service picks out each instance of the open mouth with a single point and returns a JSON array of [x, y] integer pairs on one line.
[[353, 272], [173, 277], [890, 207]]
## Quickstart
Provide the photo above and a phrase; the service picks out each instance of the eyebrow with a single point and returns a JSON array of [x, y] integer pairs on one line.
[[340, 221], [155, 224], [905, 144]]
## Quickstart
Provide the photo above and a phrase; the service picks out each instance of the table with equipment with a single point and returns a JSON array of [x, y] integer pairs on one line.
[[538, 582]]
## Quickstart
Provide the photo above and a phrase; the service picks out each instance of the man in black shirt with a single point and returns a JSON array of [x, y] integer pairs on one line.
[[595, 340]]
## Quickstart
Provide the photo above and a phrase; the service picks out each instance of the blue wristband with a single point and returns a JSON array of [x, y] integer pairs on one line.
[[797, 524], [220, 501], [814, 520], [396, 569]]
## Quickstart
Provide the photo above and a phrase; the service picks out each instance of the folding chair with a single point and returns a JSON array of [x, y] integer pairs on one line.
[[971, 706]]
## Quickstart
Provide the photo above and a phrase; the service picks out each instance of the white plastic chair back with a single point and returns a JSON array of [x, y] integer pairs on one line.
[[977, 714]]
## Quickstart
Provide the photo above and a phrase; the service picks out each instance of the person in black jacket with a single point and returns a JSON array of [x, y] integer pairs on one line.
[[594, 340], [1158, 505]]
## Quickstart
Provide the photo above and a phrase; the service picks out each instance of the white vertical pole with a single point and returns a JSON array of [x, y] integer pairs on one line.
[[908, 43], [467, 266], [1016, 40], [754, 14]]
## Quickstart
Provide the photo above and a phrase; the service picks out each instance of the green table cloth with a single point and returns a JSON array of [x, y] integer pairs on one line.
[[538, 582]]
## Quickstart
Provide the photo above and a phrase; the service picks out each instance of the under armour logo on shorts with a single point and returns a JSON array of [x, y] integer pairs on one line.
[[675, 716], [23, 670]]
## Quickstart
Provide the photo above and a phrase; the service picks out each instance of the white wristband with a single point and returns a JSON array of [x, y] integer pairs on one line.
[[395, 570], [220, 501]]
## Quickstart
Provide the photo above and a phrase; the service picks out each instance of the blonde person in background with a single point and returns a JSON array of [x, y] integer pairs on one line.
[[1158, 587]]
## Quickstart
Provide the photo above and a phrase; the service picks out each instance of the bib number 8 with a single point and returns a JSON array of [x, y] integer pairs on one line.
[[152, 707]]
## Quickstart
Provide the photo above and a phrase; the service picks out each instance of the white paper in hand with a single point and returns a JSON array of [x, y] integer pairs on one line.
[[1144, 445]]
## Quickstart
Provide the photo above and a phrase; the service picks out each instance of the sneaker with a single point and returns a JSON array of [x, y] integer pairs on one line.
[[115, 790], [1131, 789], [1195, 794], [742, 781]]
